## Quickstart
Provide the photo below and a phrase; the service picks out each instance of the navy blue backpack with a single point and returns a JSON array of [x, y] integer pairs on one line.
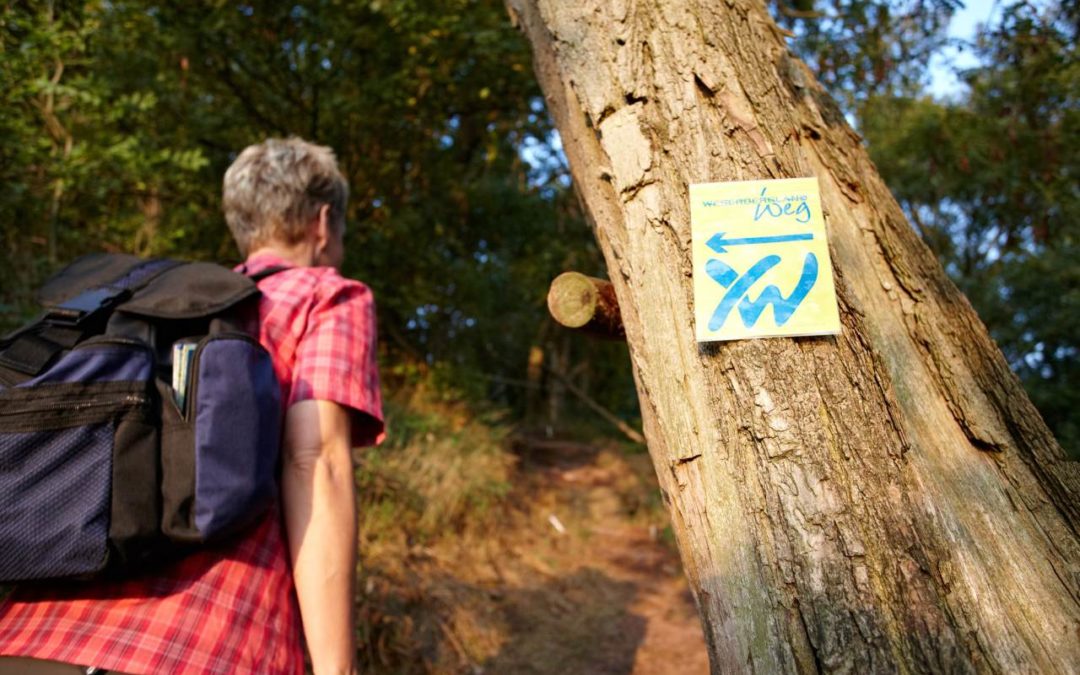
[[104, 470]]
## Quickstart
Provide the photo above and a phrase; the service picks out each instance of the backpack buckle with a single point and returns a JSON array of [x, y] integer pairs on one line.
[[87, 306]]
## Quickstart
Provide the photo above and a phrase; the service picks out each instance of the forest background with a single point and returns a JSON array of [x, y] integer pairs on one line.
[[120, 117]]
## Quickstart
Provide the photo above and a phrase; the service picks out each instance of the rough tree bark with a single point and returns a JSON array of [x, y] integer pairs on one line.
[[887, 500]]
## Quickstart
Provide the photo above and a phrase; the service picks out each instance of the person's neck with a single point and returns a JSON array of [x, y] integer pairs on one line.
[[301, 255]]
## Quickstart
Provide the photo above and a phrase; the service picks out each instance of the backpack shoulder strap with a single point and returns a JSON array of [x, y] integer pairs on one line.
[[269, 271]]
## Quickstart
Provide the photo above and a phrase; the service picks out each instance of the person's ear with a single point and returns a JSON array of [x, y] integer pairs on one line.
[[323, 231]]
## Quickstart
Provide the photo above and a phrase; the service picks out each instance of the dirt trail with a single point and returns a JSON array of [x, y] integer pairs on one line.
[[603, 596], [616, 601]]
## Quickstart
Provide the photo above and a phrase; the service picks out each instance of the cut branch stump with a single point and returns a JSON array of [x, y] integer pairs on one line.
[[586, 304]]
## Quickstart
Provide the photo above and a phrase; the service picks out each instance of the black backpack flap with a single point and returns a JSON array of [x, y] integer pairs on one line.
[[145, 289], [78, 301], [189, 291], [89, 271]]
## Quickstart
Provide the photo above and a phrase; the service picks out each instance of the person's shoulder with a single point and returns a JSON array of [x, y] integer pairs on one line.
[[325, 279], [329, 286]]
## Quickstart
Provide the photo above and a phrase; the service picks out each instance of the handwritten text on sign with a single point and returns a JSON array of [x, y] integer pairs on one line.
[[761, 261]]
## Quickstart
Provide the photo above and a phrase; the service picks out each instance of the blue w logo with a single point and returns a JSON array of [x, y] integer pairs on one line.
[[739, 288]]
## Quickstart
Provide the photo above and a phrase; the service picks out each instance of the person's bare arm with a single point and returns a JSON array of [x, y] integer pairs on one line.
[[319, 497]]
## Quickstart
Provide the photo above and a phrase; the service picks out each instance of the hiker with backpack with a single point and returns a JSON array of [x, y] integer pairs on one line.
[[247, 603]]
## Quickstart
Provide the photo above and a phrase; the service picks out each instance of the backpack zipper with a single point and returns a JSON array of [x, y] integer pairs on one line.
[[193, 374], [75, 412]]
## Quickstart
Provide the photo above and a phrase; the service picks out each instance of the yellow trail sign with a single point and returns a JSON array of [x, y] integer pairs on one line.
[[761, 260]]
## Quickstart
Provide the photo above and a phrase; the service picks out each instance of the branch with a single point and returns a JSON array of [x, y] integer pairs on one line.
[[588, 304], [628, 431], [799, 13]]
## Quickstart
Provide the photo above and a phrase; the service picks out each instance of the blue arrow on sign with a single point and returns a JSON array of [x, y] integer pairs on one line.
[[718, 243]]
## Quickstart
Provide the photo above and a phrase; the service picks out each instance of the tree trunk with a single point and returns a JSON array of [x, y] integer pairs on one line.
[[885, 500]]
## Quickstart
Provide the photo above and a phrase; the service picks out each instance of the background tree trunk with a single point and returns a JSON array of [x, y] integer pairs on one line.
[[886, 500]]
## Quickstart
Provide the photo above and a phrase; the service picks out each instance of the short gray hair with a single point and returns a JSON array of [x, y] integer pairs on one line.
[[274, 190]]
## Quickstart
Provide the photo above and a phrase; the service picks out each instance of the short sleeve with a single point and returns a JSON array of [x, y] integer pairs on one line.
[[336, 358]]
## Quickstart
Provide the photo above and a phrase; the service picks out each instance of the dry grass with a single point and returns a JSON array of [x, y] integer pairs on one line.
[[440, 470], [443, 476]]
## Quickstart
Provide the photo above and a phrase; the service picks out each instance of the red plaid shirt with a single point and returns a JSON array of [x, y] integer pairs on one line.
[[232, 610]]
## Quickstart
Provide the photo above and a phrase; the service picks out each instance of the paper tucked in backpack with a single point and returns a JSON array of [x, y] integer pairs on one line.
[[761, 260]]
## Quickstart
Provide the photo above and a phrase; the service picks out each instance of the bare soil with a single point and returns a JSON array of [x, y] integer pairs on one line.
[[576, 578]]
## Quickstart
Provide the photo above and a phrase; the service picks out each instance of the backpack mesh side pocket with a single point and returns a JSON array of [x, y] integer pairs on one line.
[[58, 435], [54, 488]]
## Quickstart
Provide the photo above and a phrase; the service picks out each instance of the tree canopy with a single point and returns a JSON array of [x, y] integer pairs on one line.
[[989, 179], [121, 117]]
